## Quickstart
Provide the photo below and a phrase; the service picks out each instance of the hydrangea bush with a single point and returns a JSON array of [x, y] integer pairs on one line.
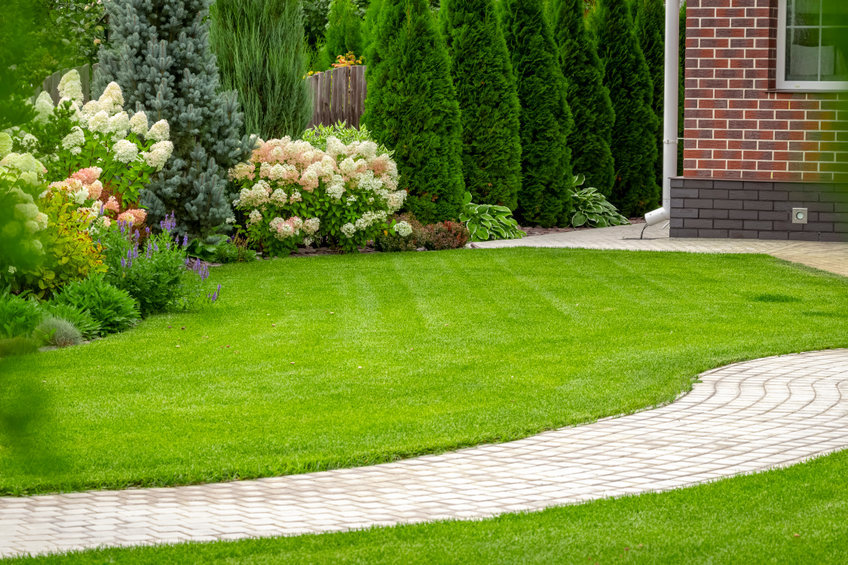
[[295, 194]]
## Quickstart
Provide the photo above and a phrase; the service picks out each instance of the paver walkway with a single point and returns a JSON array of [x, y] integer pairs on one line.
[[740, 418], [828, 256]]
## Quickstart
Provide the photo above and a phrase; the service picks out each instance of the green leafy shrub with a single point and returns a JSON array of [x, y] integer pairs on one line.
[[112, 308], [405, 234], [59, 332], [154, 272], [344, 33], [220, 248], [18, 317], [81, 319], [487, 221], [445, 235], [592, 209], [318, 135]]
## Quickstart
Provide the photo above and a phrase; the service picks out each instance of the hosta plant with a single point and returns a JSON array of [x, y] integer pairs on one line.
[[489, 221], [295, 194], [592, 209]]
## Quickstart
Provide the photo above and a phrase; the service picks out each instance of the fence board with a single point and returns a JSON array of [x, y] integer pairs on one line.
[[338, 95]]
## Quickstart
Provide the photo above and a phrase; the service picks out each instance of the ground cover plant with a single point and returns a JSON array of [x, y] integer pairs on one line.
[[355, 359], [794, 515]]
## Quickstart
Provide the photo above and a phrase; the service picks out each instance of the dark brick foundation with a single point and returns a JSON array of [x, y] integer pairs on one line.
[[758, 209]]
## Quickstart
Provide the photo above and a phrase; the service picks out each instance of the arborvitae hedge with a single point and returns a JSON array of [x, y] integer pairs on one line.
[[159, 53], [488, 100], [588, 98], [411, 107], [626, 75], [651, 26], [545, 117], [261, 55], [344, 33]]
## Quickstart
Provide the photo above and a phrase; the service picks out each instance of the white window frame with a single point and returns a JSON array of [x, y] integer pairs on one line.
[[797, 85]]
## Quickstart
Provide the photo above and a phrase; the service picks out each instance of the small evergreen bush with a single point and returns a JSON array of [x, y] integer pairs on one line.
[[445, 235], [405, 234], [59, 332], [112, 308], [81, 319]]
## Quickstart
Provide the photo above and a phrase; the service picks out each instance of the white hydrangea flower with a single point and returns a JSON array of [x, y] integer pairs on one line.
[[138, 124], [255, 217], [43, 107], [312, 225], [279, 197], [70, 86], [80, 196], [159, 154], [125, 151], [335, 147], [403, 229], [396, 199], [349, 230], [119, 124], [296, 197], [112, 98], [74, 139], [90, 108], [160, 131], [99, 122]]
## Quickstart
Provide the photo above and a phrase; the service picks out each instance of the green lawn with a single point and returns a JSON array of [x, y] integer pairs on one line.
[[794, 515], [323, 362]]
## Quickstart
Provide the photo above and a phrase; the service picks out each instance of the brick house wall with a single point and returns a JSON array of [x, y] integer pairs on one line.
[[752, 153]]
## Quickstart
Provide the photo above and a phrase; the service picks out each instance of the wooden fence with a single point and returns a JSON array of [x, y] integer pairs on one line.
[[51, 83], [338, 95]]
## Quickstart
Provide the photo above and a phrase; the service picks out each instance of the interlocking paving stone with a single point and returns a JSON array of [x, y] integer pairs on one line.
[[741, 418], [828, 256]]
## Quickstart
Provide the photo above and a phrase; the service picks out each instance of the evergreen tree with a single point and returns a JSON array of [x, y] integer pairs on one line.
[[587, 96], [261, 55], [369, 27], [545, 117], [160, 56], [344, 32], [626, 75], [651, 25], [488, 101], [411, 107]]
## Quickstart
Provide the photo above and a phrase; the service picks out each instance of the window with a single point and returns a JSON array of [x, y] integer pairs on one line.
[[812, 51]]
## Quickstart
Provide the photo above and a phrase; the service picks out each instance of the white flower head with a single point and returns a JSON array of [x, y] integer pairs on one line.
[[349, 230], [70, 86], [75, 139], [403, 229], [119, 124], [125, 151], [43, 107], [99, 122], [112, 97], [160, 131], [138, 124], [255, 217], [159, 154]]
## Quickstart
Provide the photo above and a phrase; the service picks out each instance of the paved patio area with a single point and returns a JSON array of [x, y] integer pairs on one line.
[[741, 418], [827, 256]]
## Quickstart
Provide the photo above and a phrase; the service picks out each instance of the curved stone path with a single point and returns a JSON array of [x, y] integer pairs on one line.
[[740, 418]]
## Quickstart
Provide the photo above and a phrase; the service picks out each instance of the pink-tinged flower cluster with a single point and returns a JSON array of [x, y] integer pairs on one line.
[[81, 186], [133, 216], [283, 229]]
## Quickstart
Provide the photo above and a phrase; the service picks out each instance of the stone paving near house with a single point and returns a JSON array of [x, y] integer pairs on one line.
[[828, 256], [741, 418]]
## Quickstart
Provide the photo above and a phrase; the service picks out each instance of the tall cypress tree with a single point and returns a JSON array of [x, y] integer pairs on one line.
[[261, 55], [545, 117], [587, 96], [651, 25], [159, 54], [344, 33], [626, 75], [411, 107], [488, 100], [369, 28]]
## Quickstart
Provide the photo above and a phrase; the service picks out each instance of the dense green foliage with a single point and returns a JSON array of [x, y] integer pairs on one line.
[[165, 65], [59, 332], [113, 309], [319, 134], [488, 100], [261, 55], [587, 96], [592, 209], [80, 318], [650, 23], [344, 33], [546, 120], [794, 515], [489, 221], [269, 381], [627, 77], [412, 109], [18, 317]]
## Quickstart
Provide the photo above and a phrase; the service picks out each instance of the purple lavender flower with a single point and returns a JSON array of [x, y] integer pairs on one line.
[[214, 296], [169, 223], [123, 263], [185, 240]]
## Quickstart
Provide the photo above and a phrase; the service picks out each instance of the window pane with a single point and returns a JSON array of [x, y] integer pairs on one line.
[[833, 54], [804, 12], [835, 13], [802, 54]]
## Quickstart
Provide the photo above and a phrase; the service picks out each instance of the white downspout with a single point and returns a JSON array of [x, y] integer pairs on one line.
[[670, 109]]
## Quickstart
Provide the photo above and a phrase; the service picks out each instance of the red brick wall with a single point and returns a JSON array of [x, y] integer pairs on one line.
[[737, 126]]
